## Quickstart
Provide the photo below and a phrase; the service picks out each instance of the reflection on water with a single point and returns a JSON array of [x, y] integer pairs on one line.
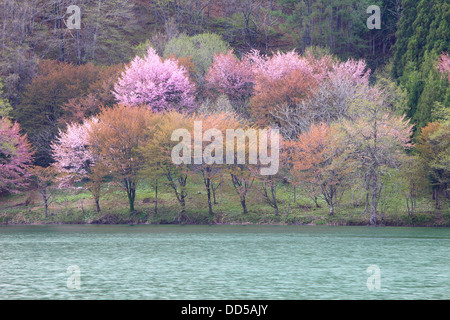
[[223, 262]]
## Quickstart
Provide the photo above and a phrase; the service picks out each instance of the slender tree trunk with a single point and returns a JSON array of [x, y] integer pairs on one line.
[[156, 197], [207, 183], [97, 204], [407, 207], [183, 206], [131, 193], [366, 209], [332, 203], [94, 42], [274, 198], [131, 201], [45, 197], [374, 173], [45, 206], [241, 188], [437, 194], [374, 202], [214, 192], [208, 191], [244, 205], [316, 201]]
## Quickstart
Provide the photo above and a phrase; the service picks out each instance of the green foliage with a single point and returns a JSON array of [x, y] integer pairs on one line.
[[141, 49], [395, 95], [339, 25], [423, 33], [403, 34], [427, 89], [5, 107], [201, 48]]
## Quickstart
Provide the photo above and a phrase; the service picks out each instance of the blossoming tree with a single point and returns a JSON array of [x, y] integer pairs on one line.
[[160, 85], [15, 157]]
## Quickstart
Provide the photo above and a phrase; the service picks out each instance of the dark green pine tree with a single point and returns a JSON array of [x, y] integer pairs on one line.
[[421, 26], [423, 34], [434, 94], [404, 32], [339, 25], [438, 38]]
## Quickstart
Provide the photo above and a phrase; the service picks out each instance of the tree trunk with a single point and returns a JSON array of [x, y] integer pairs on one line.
[[183, 205], [316, 201], [43, 193], [94, 41], [374, 203], [208, 191], [331, 210], [274, 198], [46, 207], [131, 201], [214, 194], [131, 193], [437, 194], [366, 209], [207, 182], [156, 197], [244, 205], [182, 213], [97, 204]]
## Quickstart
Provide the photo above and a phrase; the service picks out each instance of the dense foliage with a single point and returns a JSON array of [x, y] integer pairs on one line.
[[357, 108]]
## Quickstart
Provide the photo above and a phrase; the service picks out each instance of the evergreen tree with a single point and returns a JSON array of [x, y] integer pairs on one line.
[[435, 91], [404, 32], [423, 34], [338, 24]]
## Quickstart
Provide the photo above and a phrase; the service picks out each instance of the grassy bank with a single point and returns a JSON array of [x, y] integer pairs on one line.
[[77, 207]]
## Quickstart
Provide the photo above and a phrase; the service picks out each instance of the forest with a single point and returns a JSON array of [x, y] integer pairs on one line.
[[87, 114]]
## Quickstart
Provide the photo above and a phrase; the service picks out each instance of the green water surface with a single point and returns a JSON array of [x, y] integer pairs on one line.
[[223, 262]]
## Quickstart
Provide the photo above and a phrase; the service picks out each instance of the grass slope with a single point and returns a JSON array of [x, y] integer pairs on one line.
[[76, 206]]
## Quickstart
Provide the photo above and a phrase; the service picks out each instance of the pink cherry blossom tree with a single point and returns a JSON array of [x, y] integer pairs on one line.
[[231, 76], [338, 85], [444, 64], [75, 160], [159, 85], [280, 64], [15, 157], [354, 70], [71, 150]]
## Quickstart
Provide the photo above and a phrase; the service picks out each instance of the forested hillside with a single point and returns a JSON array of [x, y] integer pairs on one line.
[[360, 109]]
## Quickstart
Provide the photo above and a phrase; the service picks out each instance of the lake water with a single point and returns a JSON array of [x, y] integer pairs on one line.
[[223, 262]]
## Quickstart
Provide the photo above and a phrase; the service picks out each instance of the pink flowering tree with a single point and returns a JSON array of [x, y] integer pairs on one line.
[[280, 64], [282, 79], [159, 85], [71, 150], [444, 64], [75, 161], [337, 85], [354, 70], [231, 76], [15, 157]]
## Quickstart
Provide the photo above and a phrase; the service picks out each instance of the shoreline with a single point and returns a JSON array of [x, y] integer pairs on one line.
[[382, 225], [78, 210]]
